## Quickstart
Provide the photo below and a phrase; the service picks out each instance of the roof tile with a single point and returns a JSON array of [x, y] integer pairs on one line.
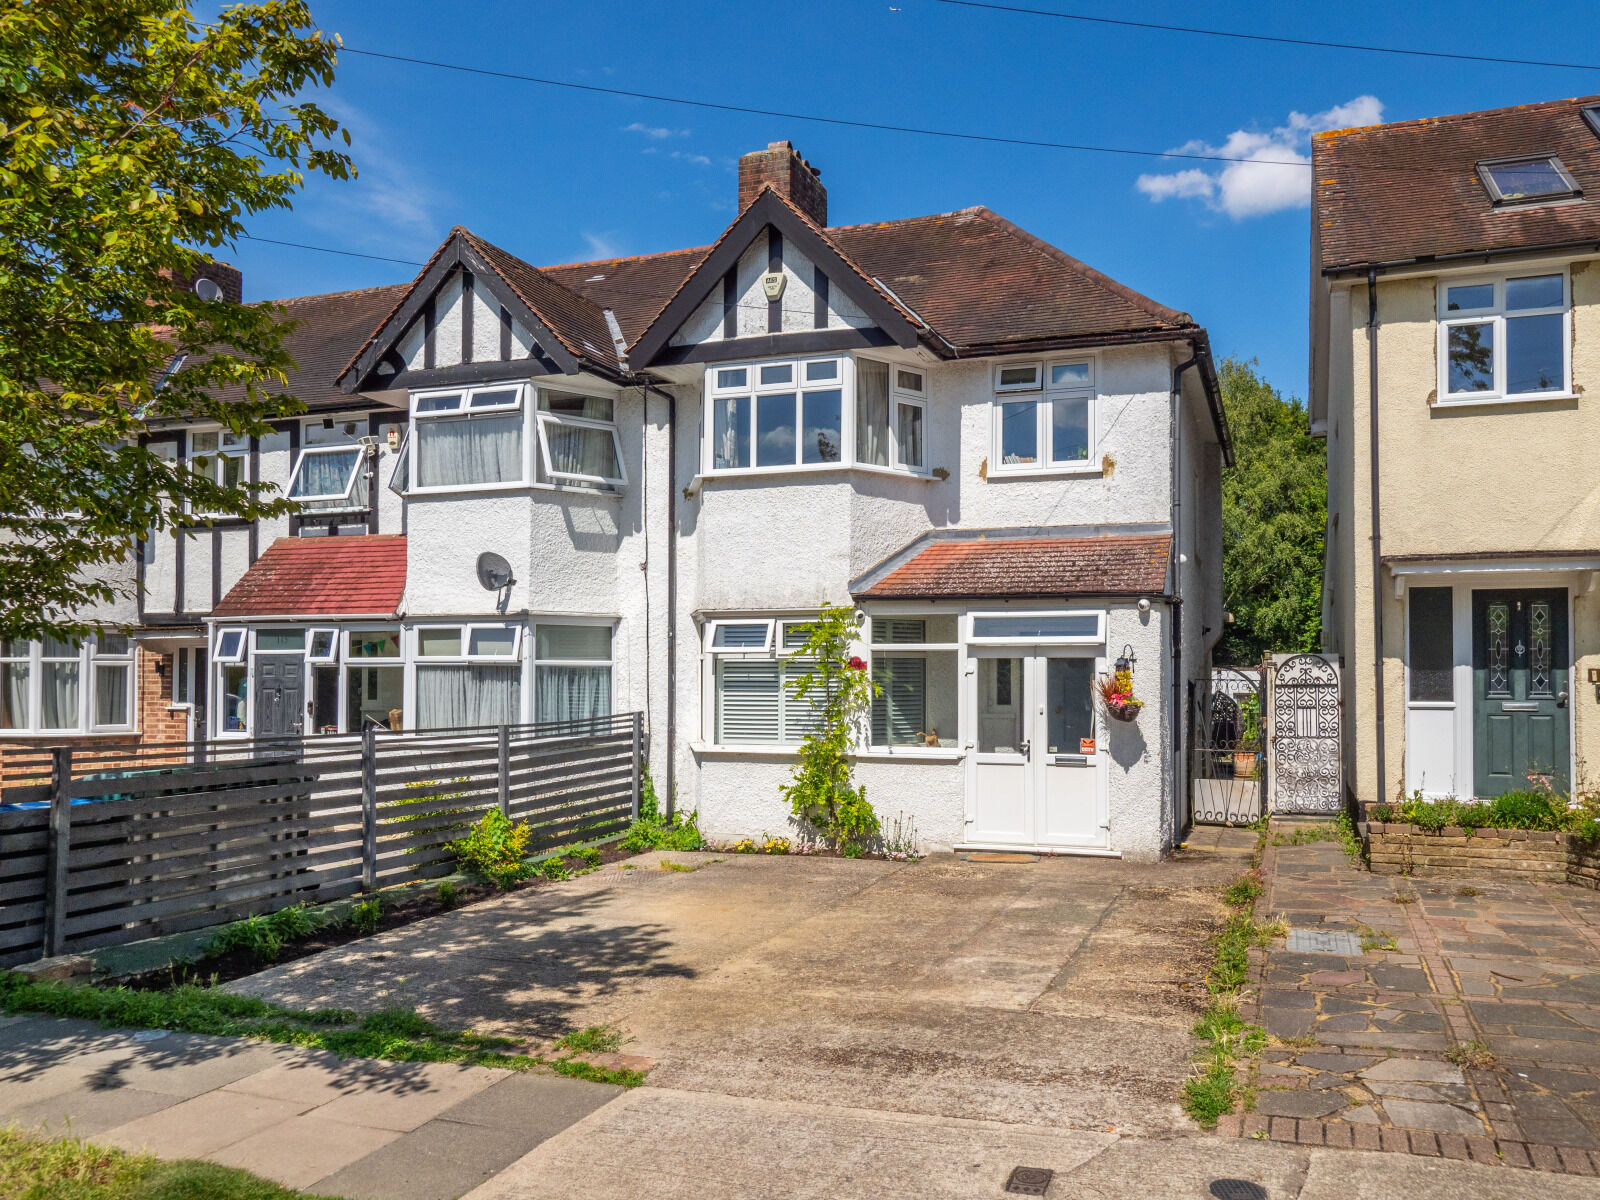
[[1060, 566], [332, 576]]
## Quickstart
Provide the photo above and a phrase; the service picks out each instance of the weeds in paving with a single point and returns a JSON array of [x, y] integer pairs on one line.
[[1304, 1042], [1402, 898], [35, 1168], [398, 1035], [1244, 890], [1470, 1054], [597, 1039], [1215, 1088], [1278, 927], [1341, 830], [1466, 893], [668, 865], [1375, 939], [627, 866]]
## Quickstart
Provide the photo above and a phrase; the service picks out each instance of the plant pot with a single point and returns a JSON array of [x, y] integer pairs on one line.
[[1244, 764], [1124, 712]]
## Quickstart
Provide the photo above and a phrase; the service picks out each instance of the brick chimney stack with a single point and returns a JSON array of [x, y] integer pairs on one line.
[[226, 276], [788, 173]]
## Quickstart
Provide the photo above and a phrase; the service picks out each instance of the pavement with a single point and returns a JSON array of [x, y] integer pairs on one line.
[[344, 1127], [1468, 1027]]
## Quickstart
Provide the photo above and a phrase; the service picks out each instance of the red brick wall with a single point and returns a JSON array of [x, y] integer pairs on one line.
[[787, 173], [158, 722]]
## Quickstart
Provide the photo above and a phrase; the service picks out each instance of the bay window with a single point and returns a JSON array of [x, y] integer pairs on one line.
[[1043, 416], [1504, 338], [466, 438], [772, 415], [468, 675], [572, 672], [915, 665], [578, 441], [753, 673], [56, 686]]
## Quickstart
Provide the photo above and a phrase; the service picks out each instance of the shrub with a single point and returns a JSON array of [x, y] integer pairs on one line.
[[588, 855], [494, 850], [821, 792], [554, 868], [365, 916], [264, 936], [448, 895], [1524, 810], [654, 832]]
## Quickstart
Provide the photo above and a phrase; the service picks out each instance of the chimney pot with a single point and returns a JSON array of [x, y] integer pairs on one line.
[[782, 169]]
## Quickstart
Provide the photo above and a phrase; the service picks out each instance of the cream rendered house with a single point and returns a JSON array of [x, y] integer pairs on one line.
[[1455, 329]]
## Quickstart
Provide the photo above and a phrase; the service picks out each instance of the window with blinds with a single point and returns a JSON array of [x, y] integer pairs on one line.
[[756, 704], [899, 709]]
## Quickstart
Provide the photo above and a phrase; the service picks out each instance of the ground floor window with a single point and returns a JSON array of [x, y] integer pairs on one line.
[[572, 672], [915, 665], [753, 677], [54, 685]]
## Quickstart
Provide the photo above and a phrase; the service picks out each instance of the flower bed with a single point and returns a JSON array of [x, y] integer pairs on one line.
[[1530, 837]]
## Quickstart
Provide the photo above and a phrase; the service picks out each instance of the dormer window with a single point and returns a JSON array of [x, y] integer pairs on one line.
[[1532, 180]]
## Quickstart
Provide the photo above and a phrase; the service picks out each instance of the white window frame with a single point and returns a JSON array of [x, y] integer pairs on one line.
[[238, 654], [229, 445], [349, 483], [843, 382], [925, 650], [1036, 384], [93, 658], [918, 399], [464, 408], [86, 657], [1496, 316], [609, 662], [465, 629], [544, 418], [1043, 397], [1097, 638], [332, 653], [771, 651]]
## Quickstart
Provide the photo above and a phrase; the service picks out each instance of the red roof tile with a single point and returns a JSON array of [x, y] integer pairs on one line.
[[1063, 566], [322, 576]]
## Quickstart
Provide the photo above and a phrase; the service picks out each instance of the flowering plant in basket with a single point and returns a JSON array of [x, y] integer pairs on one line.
[[1116, 693]]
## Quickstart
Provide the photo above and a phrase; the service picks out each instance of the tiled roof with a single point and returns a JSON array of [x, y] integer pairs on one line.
[[1392, 193], [1033, 566], [331, 576], [578, 321]]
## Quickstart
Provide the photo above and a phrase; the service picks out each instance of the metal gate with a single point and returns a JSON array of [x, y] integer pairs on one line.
[[1226, 775], [1304, 759]]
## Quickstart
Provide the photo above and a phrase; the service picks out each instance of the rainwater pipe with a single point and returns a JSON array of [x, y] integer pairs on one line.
[[1377, 530]]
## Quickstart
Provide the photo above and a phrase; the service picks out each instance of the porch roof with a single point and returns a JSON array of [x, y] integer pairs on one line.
[[1107, 565], [362, 576]]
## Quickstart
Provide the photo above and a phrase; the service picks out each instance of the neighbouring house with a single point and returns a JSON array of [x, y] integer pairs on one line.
[[1455, 322], [544, 494]]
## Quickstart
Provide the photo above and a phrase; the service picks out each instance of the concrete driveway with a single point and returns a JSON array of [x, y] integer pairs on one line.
[[1056, 993]]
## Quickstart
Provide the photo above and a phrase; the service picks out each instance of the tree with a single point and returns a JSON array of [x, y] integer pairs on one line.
[[132, 140], [1274, 513]]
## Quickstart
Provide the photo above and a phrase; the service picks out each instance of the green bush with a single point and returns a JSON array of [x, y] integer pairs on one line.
[[588, 855], [494, 850], [365, 916], [554, 868], [264, 936], [1514, 810], [654, 832], [1525, 810], [448, 894]]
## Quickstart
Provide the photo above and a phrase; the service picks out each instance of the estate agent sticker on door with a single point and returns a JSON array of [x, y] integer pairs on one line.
[[1085, 745]]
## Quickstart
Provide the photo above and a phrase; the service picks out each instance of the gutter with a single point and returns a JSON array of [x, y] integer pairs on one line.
[[1459, 258], [670, 782], [1377, 529]]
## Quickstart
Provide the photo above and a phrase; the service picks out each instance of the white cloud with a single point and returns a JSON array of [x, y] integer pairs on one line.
[[658, 133], [391, 201], [1270, 174], [603, 245]]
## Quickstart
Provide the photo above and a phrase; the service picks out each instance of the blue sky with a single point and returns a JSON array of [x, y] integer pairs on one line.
[[556, 175]]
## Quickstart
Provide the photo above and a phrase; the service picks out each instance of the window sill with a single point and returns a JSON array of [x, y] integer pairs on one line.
[[818, 469], [945, 754], [1481, 401], [997, 474]]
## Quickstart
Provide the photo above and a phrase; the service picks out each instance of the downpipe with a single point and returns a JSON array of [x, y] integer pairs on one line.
[[1180, 780]]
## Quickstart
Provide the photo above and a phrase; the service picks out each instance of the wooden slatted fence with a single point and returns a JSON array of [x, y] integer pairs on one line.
[[110, 845]]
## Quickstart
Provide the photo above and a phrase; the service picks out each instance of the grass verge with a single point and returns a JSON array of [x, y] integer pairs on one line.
[[33, 1168], [397, 1035], [1214, 1089]]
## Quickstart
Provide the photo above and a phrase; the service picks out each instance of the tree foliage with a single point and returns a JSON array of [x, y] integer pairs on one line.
[[134, 139], [822, 793], [1274, 513]]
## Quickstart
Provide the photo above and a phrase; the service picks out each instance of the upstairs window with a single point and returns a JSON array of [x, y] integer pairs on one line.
[[331, 471], [891, 414], [1043, 416], [578, 442], [466, 438], [1591, 114], [221, 457], [1503, 338], [1532, 180], [777, 414]]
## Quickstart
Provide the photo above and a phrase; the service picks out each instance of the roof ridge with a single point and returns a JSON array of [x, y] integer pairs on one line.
[[1418, 122], [484, 246], [606, 262], [380, 287], [1155, 308], [954, 212]]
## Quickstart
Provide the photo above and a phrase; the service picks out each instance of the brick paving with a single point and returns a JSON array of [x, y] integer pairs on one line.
[[1361, 1044]]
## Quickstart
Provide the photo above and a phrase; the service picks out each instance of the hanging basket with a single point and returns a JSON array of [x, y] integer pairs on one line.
[[1125, 712]]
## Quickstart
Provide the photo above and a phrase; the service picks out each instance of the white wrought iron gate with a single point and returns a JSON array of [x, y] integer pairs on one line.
[[1304, 762]]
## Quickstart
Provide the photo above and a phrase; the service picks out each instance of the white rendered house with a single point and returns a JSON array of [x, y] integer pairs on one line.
[[1007, 462]]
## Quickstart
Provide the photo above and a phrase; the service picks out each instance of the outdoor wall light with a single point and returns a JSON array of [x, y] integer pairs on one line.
[[1126, 659]]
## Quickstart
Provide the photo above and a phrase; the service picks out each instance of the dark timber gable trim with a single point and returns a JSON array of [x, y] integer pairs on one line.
[[551, 358], [767, 210]]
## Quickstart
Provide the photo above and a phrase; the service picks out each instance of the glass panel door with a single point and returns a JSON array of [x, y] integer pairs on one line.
[[1002, 797]]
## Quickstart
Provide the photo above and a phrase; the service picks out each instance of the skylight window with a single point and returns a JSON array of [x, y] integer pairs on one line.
[[1527, 180], [1591, 114]]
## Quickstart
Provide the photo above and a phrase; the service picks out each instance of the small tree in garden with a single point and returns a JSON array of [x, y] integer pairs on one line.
[[822, 793]]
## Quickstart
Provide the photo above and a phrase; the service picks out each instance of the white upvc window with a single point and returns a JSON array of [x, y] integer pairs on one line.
[[578, 440], [468, 675], [776, 415], [1044, 416], [322, 645], [891, 416], [54, 686], [915, 663], [752, 670], [1504, 337], [572, 671], [1048, 628], [465, 439], [328, 473], [220, 456], [230, 646]]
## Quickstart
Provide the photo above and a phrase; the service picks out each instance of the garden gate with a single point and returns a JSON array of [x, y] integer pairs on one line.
[[1304, 763], [1225, 740]]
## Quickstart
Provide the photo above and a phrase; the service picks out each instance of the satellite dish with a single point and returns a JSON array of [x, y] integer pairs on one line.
[[494, 572], [208, 289]]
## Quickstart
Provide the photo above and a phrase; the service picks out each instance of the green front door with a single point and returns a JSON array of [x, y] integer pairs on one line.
[[1520, 725]]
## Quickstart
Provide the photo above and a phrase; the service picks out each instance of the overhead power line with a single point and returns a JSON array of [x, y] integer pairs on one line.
[[409, 262], [1240, 35]]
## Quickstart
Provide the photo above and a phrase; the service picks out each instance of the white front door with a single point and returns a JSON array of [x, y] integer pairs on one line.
[[1037, 774]]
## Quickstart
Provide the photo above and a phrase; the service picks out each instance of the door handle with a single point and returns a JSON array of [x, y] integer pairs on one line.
[[1027, 749], [1561, 699]]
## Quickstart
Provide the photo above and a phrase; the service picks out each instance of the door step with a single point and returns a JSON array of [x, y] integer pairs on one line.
[[994, 856]]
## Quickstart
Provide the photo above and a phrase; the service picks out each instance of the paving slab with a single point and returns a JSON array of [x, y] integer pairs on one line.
[[196, 1128], [439, 1160], [304, 1149]]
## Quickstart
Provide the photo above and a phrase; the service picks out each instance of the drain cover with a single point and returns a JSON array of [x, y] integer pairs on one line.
[[1029, 1181], [1322, 941], [1237, 1189]]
